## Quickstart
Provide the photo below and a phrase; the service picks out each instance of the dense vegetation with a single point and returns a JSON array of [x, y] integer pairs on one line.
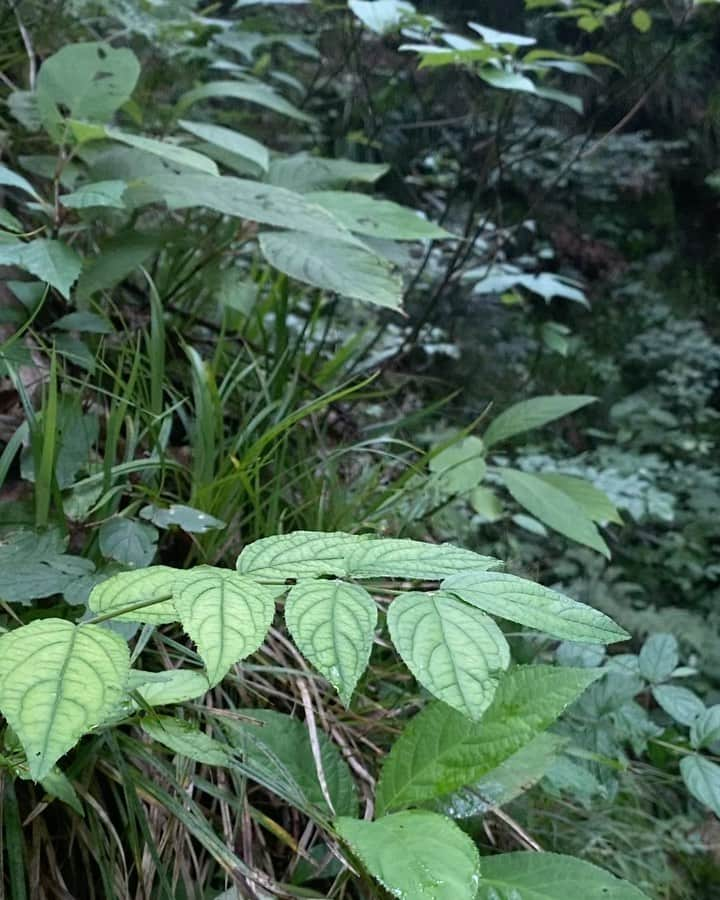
[[359, 424]]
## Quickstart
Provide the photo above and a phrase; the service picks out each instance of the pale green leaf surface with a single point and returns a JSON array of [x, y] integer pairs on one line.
[[172, 153], [460, 467], [250, 92], [169, 687], [400, 558], [57, 682], [453, 650], [705, 729], [550, 876], [377, 218], [593, 502], [229, 140], [8, 178], [442, 750], [333, 265], [553, 507], [127, 588], [659, 657], [299, 554], [226, 615], [186, 739], [702, 778], [415, 855], [534, 413], [682, 704], [48, 260], [333, 624], [303, 173], [129, 542], [535, 606], [98, 194]]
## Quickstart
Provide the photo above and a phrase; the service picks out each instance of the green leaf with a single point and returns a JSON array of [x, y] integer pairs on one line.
[[98, 194], [127, 541], [57, 682], [553, 507], [549, 876], [259, 94], [486, 503], [277, 748], [531, 414], [186, 739], [192, 520], [172, 153], [333, 624], [641, 20], [8, 178], [59, 787], [460, 467], [128, 588], [593, 502], [87, 322], [170, 687], [535, 606], [303, 173], [333, 265], [400, 558], [231, 141], [299, 554], [381, 16], [705, 730], [85, 81], [678, 702], [117, 258], [226, 615], [453, 650], [50, 261], [416, 855], [35, 566], [442, 750], [377, 218], [702, 778], [659, 657]]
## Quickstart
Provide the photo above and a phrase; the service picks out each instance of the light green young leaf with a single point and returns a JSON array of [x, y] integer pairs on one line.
[[678, 702], [659, 657], [453, 650], [553, 507], [226, 615], [89, 81], [377, 218], [418, 854], [535, 606], [333, 265], [250, 92], [534, 413], [593, 502], [642, 20], [192, 520], [333, 624], [172, 153], [381, 16], [169, 687], [129, 542], [186, 739], [550, 876], [705, 730], [460, 467], [50, 261], [299, 554], [304, 173], [501, 38], [442, 750], [98, 194], [57, 682], [128, 588], [8, 178], [402, 558], [486, 503], [277, 750], [702, 778], [232, 141]]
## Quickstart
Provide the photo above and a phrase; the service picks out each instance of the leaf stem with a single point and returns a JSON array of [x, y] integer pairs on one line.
[[103, 617]]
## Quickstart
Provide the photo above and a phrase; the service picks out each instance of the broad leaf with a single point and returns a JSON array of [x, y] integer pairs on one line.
[[192, 520], [299, 554], [535, 606], [333, 265], [659, 657], [230, 141], [129, 588], [553, 507], [441, 750], [173, 153], [85, 81], [333, 624], [227, 616], [381, 15], [57, 682], [250, 92], [419, 855], [702, 778], [169, 687], [98, 194], [460, 467], [377, 218], [8, 178], [531, 414], [50, 261], [550, 876], [186, 739], [705, 729], [400, 558], [303, 173], [127, 541], [593, 502], [679, 702], [453, 650], [35, 565], [277, 749]]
